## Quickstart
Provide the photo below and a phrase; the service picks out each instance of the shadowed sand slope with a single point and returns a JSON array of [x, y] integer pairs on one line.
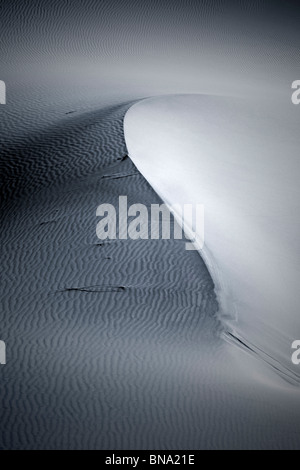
[[92, 328]]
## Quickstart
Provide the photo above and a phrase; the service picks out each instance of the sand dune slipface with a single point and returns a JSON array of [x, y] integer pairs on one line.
[[239, 159]]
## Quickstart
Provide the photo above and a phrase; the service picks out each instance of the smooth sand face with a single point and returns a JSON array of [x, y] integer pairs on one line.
[[238, 159]]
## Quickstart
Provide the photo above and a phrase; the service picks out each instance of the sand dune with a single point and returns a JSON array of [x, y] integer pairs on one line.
[[118, 344]]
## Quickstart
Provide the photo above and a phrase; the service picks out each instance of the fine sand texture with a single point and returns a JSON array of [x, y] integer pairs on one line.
[[92, 329]]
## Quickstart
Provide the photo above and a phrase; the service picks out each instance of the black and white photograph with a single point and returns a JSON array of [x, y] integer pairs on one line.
[[150, 227]]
